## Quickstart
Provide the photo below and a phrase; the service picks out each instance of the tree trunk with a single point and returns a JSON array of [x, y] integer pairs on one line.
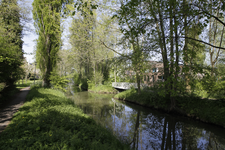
[[138, 83]]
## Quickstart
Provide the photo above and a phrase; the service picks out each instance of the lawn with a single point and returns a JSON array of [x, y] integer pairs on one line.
[[48, 120]]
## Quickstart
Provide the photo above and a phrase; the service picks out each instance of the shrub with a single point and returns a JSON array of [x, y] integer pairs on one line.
[[83, 84], [59, 82], [76, 79]]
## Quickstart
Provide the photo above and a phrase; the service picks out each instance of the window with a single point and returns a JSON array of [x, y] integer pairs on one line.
[[155, 70], [144, 78], [148, 78], [160, 77]]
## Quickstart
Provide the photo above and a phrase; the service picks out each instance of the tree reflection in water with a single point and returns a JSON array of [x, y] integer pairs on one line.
[[144, 128]]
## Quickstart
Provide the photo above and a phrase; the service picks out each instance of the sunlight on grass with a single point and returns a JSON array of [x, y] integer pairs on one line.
[[103, 88], [27, 83], [48, 120]]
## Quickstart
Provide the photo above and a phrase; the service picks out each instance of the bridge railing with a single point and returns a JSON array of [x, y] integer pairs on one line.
[[126, 85]]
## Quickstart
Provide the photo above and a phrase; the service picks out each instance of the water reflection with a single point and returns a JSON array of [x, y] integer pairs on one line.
[[144, 128]]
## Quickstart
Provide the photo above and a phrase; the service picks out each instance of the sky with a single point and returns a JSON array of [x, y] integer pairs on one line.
[[29, 37]]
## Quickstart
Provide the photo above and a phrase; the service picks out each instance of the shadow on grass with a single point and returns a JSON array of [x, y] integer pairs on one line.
[[48, 121]]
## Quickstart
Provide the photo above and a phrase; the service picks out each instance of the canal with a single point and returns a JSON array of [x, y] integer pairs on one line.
[[145, 128]]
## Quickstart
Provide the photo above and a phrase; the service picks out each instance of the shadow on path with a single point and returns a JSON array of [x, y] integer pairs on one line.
[[7, 112]]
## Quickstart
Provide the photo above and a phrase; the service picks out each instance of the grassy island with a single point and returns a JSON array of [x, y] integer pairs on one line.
[[206, 110], [49, 120], [103, 89]]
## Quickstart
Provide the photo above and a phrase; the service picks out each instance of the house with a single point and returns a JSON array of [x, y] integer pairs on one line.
[[151, 76], [154, 74]]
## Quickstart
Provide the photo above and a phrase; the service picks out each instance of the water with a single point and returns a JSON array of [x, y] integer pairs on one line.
[[144, 128]]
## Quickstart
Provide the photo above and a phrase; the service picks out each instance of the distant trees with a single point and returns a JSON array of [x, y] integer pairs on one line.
[[89, 57]]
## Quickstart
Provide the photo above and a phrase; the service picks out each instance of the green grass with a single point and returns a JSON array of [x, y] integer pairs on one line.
[[103, 89], [212, 111], [25, 84], [146, 98], [48, 120]]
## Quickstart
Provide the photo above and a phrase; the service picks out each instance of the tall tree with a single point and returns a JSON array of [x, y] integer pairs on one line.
[[47, 15], [11, 54]]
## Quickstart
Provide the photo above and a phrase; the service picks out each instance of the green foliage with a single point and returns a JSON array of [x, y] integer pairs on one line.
[[103, 89], [25, 84], [96, 80], [59, 82], [84, 84], [48, 120], [205, 109], [11, 54], [76, 79], [46, 15], [80, 81], [146, 98], [91, 84]]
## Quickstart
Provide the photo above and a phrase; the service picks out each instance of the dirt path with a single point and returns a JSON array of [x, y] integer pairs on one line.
[[7, 112]]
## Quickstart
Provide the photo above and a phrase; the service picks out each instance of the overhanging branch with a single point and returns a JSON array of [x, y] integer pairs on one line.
[[114, 50], [202, 42]]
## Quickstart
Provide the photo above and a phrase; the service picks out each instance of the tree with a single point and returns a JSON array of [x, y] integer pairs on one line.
[[171, 29], [90, 58], [11, 54], [47, 15]]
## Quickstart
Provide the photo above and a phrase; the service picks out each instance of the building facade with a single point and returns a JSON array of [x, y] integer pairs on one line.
[[154, 74]]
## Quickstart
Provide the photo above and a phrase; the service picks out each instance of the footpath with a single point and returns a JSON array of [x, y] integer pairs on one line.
[[6, 113]]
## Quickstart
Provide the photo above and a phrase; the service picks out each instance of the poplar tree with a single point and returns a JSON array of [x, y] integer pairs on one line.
[[47, 16]]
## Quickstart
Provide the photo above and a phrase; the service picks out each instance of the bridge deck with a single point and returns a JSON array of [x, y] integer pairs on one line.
[[126, 85]]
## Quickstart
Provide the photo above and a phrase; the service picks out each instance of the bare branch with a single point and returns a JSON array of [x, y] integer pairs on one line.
[[115, 50], [202, 42]]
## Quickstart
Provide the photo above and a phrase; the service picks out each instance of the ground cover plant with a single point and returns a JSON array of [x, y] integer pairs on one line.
[[212, 111], [103, 89], [146, 98], [48, 120]]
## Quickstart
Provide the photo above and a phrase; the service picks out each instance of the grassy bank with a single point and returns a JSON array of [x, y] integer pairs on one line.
[[21, 85], [103, 89], [211, 111], [48, 120]]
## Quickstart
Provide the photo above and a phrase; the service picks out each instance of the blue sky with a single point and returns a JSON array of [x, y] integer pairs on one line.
[[29, 36]]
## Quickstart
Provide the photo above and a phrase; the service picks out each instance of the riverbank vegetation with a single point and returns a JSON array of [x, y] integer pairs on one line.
[[113, 41], [48, 120], [206, 110], [107, 89]]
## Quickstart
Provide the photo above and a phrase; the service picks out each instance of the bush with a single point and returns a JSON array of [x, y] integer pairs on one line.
[[59, 82], [147, 98], [76, 79], [83, 84]]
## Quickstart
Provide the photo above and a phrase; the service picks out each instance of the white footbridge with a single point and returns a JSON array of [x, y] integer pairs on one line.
[[126, 85]]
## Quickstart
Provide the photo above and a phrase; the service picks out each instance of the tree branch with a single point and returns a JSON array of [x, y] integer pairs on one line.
[[115, 50], [202, 42]]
